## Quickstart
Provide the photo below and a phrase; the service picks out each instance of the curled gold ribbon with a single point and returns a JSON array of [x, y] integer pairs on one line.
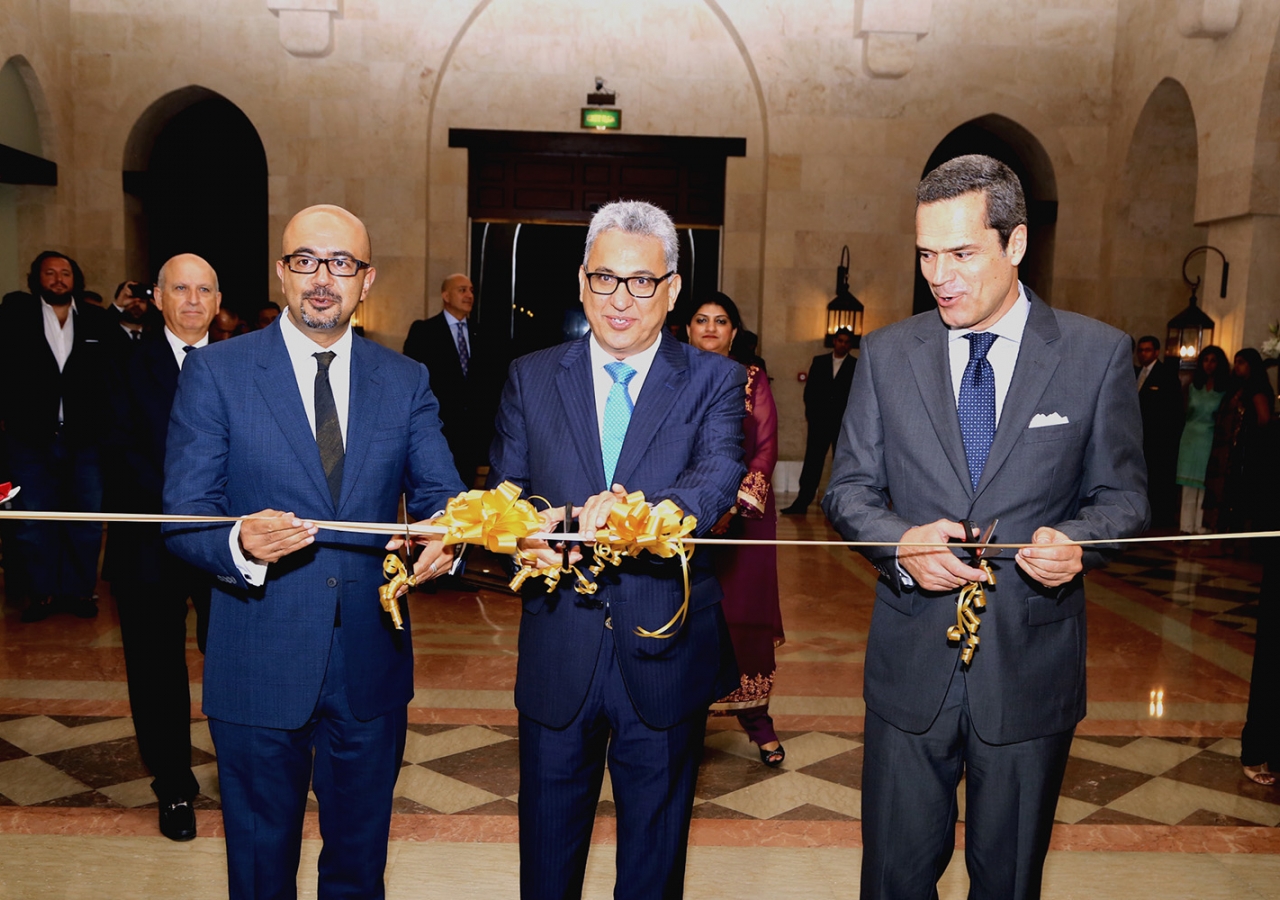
[[495, 519], [632, 527], [972, 596], [397, 577]]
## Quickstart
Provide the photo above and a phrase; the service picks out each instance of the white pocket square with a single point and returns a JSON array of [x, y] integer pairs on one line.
[[1040, 420]]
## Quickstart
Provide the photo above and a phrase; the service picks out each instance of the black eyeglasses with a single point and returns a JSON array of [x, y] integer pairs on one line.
[[339, 266], [642, 287]]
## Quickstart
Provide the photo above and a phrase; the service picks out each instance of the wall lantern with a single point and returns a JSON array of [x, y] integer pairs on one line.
[[1191, 330], [844, 310]]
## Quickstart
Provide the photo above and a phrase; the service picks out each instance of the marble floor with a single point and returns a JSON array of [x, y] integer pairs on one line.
[[1153, 806]]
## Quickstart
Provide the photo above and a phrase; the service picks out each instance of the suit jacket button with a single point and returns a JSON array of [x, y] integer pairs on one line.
[[608, 622], [332, 582]]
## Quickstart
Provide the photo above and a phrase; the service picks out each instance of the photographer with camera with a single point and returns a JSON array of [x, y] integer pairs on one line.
[[133, 309]]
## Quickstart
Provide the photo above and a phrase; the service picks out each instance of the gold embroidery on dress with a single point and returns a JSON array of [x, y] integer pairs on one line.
[[751, 384], [753, 690]]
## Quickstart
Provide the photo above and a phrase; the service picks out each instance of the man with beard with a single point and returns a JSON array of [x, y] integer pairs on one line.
[[306, 682], [53, 358], [132, 311]]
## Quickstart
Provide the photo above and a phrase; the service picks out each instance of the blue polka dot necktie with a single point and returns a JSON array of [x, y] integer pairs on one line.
[[978, 404], [617, 416]]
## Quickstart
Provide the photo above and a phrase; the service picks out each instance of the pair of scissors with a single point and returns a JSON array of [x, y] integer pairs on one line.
[[974, 535]]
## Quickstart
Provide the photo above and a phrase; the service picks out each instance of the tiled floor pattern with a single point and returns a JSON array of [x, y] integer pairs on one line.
[[1222, 589], [62, 761]]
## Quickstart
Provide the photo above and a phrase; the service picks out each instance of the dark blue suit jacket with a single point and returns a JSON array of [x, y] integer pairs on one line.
[[684, 443], [239, 442]]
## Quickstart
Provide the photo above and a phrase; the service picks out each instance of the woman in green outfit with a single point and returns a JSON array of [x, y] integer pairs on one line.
[[1207, 388]]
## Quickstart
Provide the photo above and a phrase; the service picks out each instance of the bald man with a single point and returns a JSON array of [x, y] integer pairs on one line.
[[306, 682], [467, 374], [151, 586]]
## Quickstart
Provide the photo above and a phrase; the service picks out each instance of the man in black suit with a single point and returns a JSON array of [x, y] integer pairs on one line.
[[466, 375], [1160, 398], [132, 312], [151, 585], [826, 392], [53, 357]]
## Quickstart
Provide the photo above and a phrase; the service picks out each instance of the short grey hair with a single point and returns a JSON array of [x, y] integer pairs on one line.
[[1006, 206], [639, 218]]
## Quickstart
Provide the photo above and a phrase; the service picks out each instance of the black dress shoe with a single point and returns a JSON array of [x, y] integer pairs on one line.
[[39, 610], [178, 820], [82, 607], [795, 509]]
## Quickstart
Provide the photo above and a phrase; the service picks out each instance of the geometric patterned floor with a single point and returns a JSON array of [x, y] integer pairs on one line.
[[1223, 590], [84, 761]]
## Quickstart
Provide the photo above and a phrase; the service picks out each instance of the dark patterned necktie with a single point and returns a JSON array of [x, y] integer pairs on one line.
[[328, 431], [977, 406], [464, 352]]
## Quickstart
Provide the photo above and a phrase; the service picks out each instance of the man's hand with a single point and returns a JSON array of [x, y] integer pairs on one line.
[[271, 535], [547, 556], [1052, 566], [435, 560], [723, 523], [595, 512], [937, 568]]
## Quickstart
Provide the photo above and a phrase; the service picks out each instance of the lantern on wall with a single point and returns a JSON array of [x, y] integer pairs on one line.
[[1191, 330], [845, 310]]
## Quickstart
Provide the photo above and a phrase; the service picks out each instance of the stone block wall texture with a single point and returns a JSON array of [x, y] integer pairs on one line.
[[1158, 141]]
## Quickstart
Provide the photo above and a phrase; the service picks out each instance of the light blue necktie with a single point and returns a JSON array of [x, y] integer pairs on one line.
[[617, 416], [977, 407]]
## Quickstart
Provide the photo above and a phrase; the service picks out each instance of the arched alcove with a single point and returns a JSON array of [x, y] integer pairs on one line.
[[25, 162], [1153, 215], [1015, 146], [195, 180]]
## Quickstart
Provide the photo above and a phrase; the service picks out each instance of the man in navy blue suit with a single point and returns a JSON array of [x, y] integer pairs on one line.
[[624, 408], [306, 683]]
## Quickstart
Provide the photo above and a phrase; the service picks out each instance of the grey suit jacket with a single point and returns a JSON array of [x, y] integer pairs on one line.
[[900, 462]]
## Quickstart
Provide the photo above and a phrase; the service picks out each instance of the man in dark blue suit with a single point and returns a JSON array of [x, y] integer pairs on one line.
[[151, 585], [624, 408], [306, 683]]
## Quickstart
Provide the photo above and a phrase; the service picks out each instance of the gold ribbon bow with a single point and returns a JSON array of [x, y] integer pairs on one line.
[[972, 596], [631, 528]]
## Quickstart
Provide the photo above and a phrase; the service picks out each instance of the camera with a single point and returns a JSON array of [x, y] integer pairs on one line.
[[140, 291]]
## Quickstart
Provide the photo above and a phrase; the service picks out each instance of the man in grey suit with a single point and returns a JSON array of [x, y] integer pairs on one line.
[[993, 407]]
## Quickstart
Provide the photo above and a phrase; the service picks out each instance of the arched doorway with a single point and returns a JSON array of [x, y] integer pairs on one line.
[[22, 162], [196, 182], [1007, 141], [1153, 216]]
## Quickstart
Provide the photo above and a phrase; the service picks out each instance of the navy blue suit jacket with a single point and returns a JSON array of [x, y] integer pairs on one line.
[[684, 443], [239, 442]]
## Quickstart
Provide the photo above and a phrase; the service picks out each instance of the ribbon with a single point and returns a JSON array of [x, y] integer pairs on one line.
[[972, 596], [397, 577], [495, 519], [631, 528]]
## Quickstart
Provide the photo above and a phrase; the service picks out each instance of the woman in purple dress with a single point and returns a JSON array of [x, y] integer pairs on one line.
[[748, 574]]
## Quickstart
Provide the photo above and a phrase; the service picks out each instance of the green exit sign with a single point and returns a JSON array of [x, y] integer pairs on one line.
[[601, 119]]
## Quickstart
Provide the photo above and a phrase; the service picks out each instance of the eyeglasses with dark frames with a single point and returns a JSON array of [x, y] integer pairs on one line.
[[338, 266], [642, 287]]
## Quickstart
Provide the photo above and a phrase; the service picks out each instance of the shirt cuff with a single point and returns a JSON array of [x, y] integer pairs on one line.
[[907, 580], [255, 573]]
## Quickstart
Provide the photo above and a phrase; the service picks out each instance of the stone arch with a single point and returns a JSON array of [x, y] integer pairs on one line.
[[1010, 142], [195, 180], [25, 127], [1153, 214], [446, 184]]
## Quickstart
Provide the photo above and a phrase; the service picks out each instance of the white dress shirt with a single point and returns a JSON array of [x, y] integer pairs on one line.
[[177, 345], [61, 336], [603, 381], [301, 349]]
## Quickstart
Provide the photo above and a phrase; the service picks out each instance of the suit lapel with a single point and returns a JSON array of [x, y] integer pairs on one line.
[[931, 364], [668, 375], [1038, 358], [278, 387], [365, 404], [578, 394]]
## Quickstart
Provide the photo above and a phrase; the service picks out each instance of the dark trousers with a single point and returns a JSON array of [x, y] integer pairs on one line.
[[61, 558], [1260, 739], [820, 441], [909, 806], [153, 629], [264, 774], [653, 773]]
